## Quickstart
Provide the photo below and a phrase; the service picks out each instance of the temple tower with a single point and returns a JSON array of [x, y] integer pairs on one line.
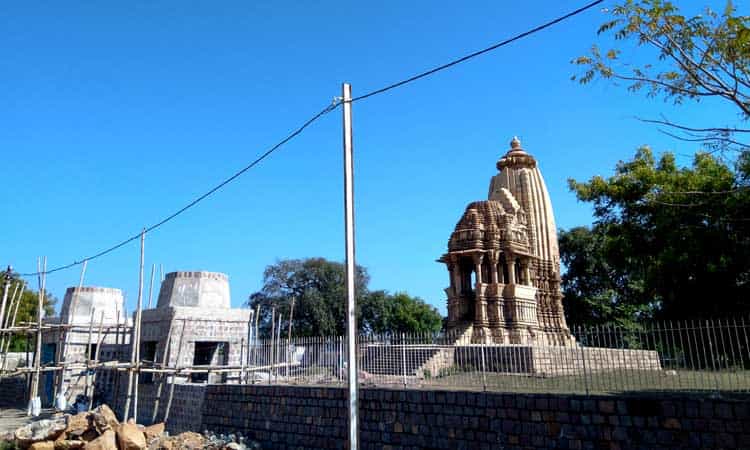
[[504, 262]]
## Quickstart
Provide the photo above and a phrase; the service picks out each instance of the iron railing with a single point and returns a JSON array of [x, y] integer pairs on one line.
[[705, 355]]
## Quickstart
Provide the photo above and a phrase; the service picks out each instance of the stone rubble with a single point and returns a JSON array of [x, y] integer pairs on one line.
[[99, 429]]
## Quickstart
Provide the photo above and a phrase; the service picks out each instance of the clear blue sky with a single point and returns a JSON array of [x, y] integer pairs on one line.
[[114, 114]]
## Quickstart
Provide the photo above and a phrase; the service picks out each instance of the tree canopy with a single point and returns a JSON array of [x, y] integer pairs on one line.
[[317, 287], [668, 242], [699, 57], [27, 309]]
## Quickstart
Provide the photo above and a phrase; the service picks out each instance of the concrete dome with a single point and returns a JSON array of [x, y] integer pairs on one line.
[[79, 303], [196, 289]]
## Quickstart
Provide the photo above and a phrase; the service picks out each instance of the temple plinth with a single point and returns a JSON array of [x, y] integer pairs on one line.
[[504, 263]]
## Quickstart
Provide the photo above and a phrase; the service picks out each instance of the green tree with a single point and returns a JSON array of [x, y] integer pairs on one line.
[[700, 57], [591, 285], [382, 312], [317, 286], [27, 310], [668, 242]]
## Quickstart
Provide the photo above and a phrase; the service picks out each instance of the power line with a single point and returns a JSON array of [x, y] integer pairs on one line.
[[257, 160], [310, 121], [477, 53]]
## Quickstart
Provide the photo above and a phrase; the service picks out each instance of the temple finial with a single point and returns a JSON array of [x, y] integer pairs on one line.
[[515, 143]]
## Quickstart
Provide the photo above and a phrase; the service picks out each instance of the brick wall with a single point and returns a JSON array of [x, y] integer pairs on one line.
[[13, 392], [306, 417]]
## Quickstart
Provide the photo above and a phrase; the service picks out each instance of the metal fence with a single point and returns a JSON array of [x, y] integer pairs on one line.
[[706, 355]]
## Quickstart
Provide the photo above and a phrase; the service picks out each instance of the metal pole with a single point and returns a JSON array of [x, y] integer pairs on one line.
[[351, 317]]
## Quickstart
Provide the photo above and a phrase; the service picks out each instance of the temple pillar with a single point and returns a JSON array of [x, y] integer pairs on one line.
[[510, 262]]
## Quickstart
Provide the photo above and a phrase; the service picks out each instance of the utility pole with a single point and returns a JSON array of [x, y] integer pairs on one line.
[[351, 315]]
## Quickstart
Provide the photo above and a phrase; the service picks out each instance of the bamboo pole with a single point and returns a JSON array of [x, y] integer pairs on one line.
[[88, 350], [100, 338], [289, 336], [66, 332], [6, 343], [177, 365], [38, 349], [165, 354], [138, 328], [257, 336], [151, 285], [7, 278]]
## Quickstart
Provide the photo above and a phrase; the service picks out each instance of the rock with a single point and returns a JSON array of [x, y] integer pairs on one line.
[[69, 444], [129, 437], [41, 430], [104, 442], [153, 431], [233, 446], [89, 435], [187, 440], [44, 445], [104, 418], [78, 424]]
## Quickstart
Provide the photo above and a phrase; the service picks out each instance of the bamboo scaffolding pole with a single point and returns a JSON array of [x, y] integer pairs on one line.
[[151, 285], [10, 336], [289, 336], [91, 378], [174, 376], [3, 316], [7, 277], [38, 348], [277, 351], [138, 314], [71, 311], [31, 329], [88, 352], [257, 340], [199, 369], [165, 355]]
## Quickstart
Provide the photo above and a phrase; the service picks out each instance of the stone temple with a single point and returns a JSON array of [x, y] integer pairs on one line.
[[504, 263]]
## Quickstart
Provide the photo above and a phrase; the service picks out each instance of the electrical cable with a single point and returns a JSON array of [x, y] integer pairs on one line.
[[478, 52], [310, 121]]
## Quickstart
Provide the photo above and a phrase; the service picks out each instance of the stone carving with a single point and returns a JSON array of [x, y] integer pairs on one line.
[[504, 263]]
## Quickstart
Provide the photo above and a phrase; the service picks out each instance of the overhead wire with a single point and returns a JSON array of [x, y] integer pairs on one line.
[[336, 102]]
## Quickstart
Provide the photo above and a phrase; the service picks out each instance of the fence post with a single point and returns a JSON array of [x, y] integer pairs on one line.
[[403, 357], [583, 359], [484, 368]]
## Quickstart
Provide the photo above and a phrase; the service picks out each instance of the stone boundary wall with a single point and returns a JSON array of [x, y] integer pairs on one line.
[[281, 417], [185, 414]]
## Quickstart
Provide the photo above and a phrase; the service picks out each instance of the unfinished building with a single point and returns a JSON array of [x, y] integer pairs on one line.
[[95, 327], [194, 324]]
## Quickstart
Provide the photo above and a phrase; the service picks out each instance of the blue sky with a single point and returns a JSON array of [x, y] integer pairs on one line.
[[115, 114]]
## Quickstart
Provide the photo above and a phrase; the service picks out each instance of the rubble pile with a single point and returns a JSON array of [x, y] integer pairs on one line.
[[99, 429]]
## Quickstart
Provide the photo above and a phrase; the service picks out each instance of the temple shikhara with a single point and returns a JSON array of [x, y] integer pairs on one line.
[[504, 263]]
